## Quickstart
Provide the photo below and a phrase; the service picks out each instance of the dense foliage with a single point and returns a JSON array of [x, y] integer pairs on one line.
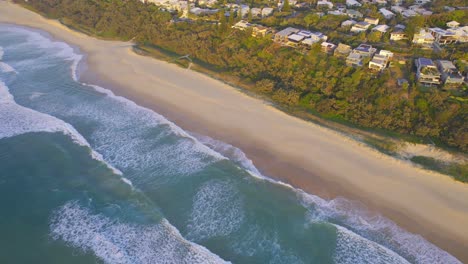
[[312, 80]]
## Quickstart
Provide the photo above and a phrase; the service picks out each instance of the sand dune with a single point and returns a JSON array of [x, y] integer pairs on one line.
[[308, 156]]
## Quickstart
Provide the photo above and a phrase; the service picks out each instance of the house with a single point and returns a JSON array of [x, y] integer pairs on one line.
[[294, 40], [348, 23], [360, 27], [352, 3], [257, 30], [305, 33], [388, 54], [453, 24], [354, 59], [386, 13], [426, 72], [443, 37], [398, 35], [244, 10], [256, 12], [328, 47], [461, 33], [400, 27], [372, 21], [423, 38], [378, 62], [336, 13], [422, 2], [353, 13], [282, 36], [342, 50], [308, 42], [242, 25], [398, 9], [380, 2], [450, 73], [324, 3], [397, 2], [318, 36], [365, 50], [381, 28], [267, 11], [260, 31], [409, 13], [203, 11]]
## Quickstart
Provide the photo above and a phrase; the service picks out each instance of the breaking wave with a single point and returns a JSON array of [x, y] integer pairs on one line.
[[123, 243]]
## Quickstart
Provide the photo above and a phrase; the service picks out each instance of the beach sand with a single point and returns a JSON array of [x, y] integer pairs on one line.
[[315, 159]]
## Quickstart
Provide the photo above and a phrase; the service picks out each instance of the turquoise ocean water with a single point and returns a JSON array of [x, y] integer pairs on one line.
[[90, 177]]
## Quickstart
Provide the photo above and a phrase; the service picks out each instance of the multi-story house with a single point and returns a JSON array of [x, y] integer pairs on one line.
[[342, 50], [365, 50], [423, 38], [450, 73], [443, 37], [427, 72]]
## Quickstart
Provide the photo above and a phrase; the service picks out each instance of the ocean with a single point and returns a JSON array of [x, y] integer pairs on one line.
[[90, 177]]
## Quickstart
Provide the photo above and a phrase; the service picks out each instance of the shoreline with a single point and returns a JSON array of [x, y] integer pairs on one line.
[[281, 146]]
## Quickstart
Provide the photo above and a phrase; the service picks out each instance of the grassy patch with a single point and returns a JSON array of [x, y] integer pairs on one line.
[[458, 171]]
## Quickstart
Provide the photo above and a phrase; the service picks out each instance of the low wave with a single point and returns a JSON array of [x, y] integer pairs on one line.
[[122, 243]]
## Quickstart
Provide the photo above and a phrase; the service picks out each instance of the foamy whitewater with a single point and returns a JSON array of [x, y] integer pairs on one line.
[[192, 199]]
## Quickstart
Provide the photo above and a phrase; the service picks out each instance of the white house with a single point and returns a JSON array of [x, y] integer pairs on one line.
[[381, 28], [360, 27], [353, 3], [453, 24], [372, 21], [461, 33], [267, 11], [256, 12], [423, 38], [325, 3], [348, 23], [386, 13]]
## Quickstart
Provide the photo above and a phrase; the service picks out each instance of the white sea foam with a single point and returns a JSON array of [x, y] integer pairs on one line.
[[16, 120], [234, 154], [61, 49], [115, 242], [375, 227], [217, 211], [351, 249], [6, 68]]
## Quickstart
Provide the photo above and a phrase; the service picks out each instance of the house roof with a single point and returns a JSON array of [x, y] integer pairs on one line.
[[425, 62], [296, 37], [328, 45], [287, 31], [445, 64], [381, 28], [453, 23], [364, 48]]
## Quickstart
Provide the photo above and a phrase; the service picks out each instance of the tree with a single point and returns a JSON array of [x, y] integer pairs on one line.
[[286, 6]]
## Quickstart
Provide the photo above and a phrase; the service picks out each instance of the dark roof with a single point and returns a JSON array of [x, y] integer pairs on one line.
[[425, 62]]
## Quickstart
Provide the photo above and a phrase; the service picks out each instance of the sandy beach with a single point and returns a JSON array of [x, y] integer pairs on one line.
[[307, 156]]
